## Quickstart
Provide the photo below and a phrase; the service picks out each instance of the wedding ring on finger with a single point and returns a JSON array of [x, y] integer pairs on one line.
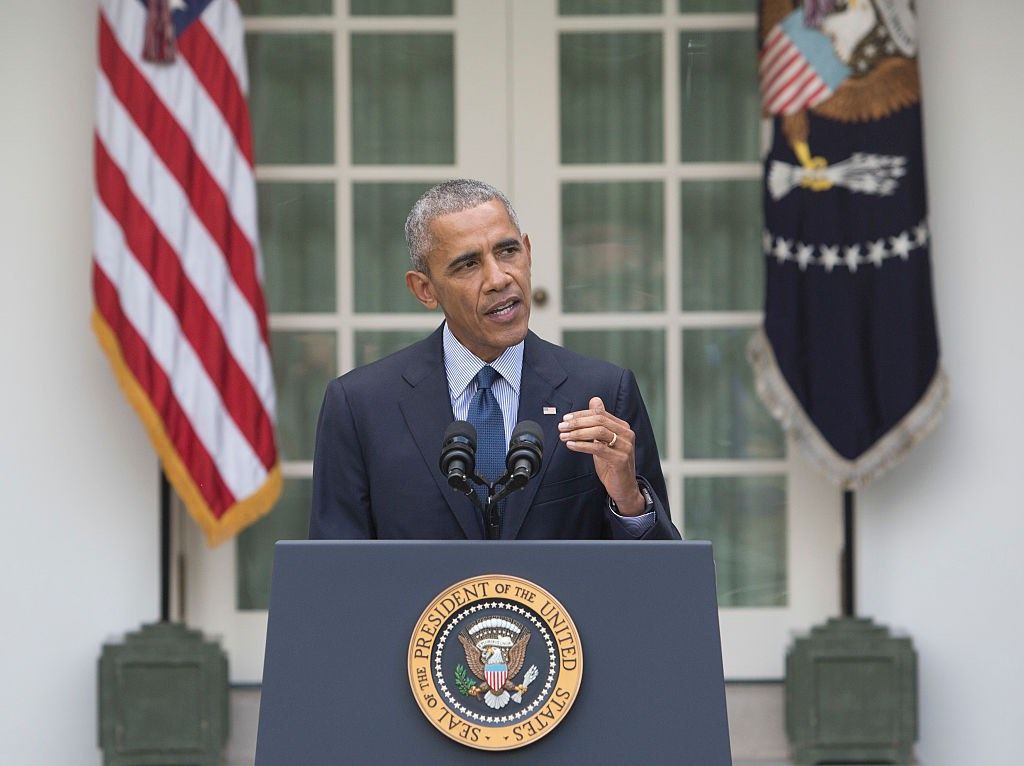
[[615, 438]]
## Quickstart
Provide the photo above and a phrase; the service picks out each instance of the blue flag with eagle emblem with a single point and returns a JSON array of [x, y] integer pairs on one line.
[[848, 358]]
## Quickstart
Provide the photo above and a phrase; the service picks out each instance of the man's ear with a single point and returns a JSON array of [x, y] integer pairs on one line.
[[421, 289], [529, 249]]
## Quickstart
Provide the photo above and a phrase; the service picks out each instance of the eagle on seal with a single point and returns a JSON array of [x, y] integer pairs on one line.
[[495, 652], [851, 61]]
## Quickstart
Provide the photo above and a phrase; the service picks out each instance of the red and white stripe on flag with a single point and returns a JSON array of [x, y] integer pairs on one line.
[[789, 83], [496, 678], [177, 278]]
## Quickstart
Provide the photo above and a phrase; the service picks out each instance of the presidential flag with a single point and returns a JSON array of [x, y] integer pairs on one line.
[[848, 358], [177, 277]]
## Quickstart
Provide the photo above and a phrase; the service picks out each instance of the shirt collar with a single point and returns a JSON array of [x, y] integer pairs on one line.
[[461, 365]]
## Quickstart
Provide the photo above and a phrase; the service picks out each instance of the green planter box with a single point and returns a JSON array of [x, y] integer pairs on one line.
[[163, 699], [851, 695]]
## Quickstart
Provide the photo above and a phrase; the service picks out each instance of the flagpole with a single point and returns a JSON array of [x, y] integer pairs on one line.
[[165, 547], [849, 604]]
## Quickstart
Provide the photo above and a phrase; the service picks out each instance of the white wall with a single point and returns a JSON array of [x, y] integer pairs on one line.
[[78, 481], [941, 537], [938, 538]]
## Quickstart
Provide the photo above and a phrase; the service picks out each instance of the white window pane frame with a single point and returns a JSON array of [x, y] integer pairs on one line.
[[481, 110], [754, 640], [507, 132]]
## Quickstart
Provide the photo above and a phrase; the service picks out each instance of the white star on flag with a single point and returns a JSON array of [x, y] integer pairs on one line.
[[830, 257], [781, 249], [851, 255], [876, 253], [804, 255], [921, 234], [901, 245]]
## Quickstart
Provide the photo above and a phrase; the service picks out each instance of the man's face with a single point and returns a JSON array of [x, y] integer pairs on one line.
[[479, 274]]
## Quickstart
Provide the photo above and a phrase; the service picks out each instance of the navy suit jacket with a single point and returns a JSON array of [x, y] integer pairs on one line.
[[375, 470]]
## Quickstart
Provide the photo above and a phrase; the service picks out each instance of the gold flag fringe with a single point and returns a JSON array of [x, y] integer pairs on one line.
[[234, 519]]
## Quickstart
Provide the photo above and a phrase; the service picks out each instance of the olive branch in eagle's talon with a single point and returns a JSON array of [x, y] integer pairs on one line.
[[464, 683]]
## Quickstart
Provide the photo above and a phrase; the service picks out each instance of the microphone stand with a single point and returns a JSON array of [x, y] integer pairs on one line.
[[489, 510], [492, 519]]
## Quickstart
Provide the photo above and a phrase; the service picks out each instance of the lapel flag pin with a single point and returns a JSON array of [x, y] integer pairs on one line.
[[549, 411]]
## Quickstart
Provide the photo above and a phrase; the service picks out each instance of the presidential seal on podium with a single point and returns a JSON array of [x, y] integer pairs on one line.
[[495, 662]]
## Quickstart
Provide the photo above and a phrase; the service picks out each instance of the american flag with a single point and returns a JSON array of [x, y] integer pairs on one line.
[[177, 276], [797, 67]]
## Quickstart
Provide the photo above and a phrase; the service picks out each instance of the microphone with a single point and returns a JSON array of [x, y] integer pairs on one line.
[[458, 455], [525, 451]]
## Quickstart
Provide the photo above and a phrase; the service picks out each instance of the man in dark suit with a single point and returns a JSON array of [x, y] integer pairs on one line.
[[375, 470]]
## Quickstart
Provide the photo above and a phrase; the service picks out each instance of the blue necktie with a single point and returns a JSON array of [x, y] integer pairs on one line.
[[485, 415]]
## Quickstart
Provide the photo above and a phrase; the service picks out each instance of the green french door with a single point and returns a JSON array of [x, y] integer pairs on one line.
[[627, 133]]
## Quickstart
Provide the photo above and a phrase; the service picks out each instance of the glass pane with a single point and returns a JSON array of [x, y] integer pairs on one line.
[[722, 416], [611, 97], [304, 363], [613, 246], [717, 6], [642, 351], [372, 345], [381, 255], [403, 99], [722, 261], [292, 97], [297, 235], [255, 553], [606, 7], [401, 7], [745, 519], [285, 7], [720, 108]]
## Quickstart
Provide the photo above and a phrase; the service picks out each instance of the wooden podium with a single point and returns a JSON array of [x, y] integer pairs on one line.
[[336, 682]]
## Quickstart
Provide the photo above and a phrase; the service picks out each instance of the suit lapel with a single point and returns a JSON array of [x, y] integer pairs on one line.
[[542, 375], [427, 410]]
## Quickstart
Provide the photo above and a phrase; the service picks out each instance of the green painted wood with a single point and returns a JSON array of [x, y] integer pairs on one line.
[[163, 698], [851, 695]]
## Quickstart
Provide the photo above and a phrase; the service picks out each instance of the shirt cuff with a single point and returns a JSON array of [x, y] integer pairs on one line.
[[636, 526]]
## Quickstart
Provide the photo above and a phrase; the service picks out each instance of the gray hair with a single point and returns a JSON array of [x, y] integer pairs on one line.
[[452, 196]]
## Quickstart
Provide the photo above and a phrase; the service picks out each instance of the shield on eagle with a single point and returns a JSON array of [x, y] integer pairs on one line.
[[496, 674]]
